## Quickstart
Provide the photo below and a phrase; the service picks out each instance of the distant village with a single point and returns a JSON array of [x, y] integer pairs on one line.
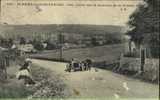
[[31, 43]]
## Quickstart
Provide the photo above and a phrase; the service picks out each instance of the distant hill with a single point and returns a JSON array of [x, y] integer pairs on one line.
[[77, 29]]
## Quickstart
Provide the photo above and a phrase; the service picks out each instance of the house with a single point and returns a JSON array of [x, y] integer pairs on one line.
[[27, 48], [3, 49]]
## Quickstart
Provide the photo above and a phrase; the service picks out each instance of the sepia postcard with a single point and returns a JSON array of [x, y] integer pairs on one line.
[[79, 49]]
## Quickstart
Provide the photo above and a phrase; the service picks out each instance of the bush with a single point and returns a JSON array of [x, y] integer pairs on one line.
[[132, 54], [155, 51], [50, 46], [38, 46]]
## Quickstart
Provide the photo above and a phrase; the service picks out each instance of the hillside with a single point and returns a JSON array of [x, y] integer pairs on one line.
[[78, 29]]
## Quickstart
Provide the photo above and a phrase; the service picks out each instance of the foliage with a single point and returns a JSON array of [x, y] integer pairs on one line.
[[7, 43], [132, 54], [112, 38], [50, 44], [38, 45], [22, 40], [94, 41], [144, 23]]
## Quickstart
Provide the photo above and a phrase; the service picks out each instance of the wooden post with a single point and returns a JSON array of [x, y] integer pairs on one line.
[[7, 60], [130, 46], [5, 68], [142, 59]]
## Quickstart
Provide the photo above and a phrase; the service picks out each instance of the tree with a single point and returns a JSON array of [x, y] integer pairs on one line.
[[94, 41], [50, 44], [61, 38], [22, 40], [144, 23], [10, 42], [38, 45]]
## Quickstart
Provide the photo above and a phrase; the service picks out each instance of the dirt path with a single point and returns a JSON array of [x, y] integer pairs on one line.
[[101, 83]]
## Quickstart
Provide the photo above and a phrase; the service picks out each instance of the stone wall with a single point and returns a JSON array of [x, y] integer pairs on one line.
[[151, 67]]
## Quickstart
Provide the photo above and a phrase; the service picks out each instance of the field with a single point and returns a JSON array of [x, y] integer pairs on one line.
[[98, 54], [105, 57]]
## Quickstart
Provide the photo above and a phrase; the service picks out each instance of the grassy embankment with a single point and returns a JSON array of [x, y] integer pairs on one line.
[[48, 84], [12, 87]]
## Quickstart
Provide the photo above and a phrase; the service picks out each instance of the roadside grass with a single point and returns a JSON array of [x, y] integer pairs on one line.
[[14, 91], [48, 84], [12, 87]]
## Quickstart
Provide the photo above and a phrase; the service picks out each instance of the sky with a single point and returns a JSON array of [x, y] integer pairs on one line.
[[108, 15]]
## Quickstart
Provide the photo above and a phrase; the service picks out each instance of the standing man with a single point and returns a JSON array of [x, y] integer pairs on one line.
[[72, 62], [89, 63]]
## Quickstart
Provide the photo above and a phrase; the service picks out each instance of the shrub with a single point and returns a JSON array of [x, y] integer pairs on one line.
[[132, 54], [38, 46]]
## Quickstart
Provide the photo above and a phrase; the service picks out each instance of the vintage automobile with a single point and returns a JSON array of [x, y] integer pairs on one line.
[[79, 66], [73, 67]]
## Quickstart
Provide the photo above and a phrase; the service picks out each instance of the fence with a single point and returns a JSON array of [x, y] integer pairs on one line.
[[4, 62], [6, 57]]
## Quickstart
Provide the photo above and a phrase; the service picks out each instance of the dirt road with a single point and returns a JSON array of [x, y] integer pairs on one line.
[[101, 83]]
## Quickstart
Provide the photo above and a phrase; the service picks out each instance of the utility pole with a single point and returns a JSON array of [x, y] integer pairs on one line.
[[61, 46], [61, 41]]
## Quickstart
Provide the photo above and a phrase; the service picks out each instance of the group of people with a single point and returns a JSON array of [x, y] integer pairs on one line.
[[76, 65], [25, 73]]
